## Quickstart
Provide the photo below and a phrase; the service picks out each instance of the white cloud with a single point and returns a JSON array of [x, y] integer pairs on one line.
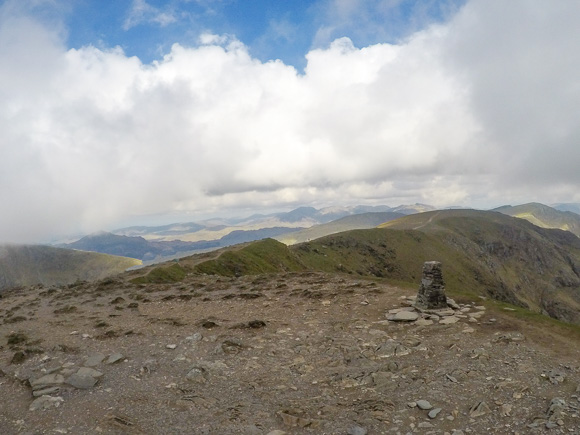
[[142, 12], [479, 111]]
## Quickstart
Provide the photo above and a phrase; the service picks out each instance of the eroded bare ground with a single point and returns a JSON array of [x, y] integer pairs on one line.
[[292, 353]]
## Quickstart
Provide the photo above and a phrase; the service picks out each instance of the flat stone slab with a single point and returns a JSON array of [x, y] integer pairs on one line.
[[87, 371], [404, 316], [424, 322], [441, 313], [94, 360], [449, 320], [115, 357], [81, 382], [51, 379], [45, 391]]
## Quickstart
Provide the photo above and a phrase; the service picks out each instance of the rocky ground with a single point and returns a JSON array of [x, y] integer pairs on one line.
[[291, 353]]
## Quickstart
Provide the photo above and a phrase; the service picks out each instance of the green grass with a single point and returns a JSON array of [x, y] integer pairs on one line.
[[264, 256], [162, 275]]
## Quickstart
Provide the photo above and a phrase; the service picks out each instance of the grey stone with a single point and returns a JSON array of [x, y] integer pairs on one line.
[[479, 409], [434, 412], [45, 391], [556, 409], [52, 379], [81, 382], [424, 322], [197, 374], [449, 320], [404, 316], [94, 360], [87, 371], [357, 430], [451, 303], [115, 357], [424, 404]]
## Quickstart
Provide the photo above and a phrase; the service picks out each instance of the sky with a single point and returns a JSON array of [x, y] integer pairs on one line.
[[133, 111]]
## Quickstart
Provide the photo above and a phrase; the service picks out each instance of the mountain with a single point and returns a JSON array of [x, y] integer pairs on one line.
[[544, 216], [25, 265], [413, 208], [164, 230], [484, 254], [134, 247], [297, 219], [573, 207], [352, 222]]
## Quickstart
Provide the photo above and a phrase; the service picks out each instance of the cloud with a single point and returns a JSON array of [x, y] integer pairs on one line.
[[372, 21], [142, 12], [477, 111]]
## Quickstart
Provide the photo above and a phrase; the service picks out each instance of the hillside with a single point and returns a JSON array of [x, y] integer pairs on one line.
[[25, 265], [347, 223], [484, 253], [544, 216]]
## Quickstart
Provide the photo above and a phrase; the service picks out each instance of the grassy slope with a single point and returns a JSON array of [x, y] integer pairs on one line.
[[264, 256], [31, 264]]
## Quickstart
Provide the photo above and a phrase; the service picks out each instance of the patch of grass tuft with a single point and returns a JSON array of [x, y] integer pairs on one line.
[[162, 274]]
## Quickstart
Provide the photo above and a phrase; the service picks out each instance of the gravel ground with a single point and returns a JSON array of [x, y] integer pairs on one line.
[[290, 353]]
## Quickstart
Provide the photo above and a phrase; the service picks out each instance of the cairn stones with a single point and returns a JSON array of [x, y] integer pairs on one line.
[[431, 294]]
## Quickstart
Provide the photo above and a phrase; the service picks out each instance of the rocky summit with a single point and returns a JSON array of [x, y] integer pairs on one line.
[[287, 353]]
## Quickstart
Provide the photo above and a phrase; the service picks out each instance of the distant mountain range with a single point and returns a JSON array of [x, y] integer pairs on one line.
[[574, 207], [155, 244], [25, 265], [300, 218], [544, 216], [160, 243], [347, 223], [155, 251]]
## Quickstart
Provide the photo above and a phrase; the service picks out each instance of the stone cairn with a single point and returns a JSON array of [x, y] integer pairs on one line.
[[431, 295]]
